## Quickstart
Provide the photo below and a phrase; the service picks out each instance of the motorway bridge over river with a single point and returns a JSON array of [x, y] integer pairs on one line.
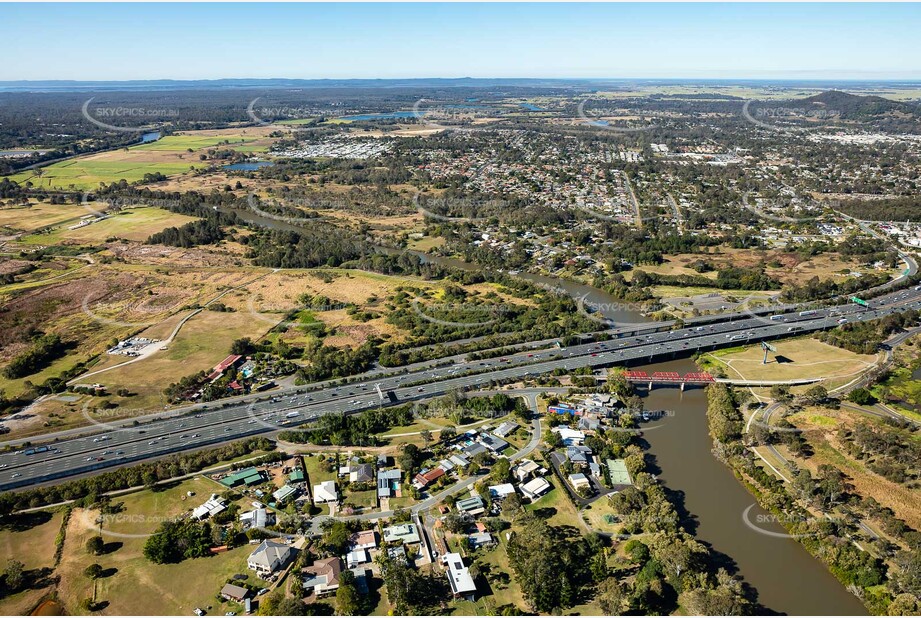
[[122, 442]]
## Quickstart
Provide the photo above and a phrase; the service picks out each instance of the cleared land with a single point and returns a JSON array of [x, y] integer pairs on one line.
[[795, 359], [135, 224]]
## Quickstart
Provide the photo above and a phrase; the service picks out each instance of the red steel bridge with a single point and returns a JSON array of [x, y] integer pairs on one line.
[[668, 377]]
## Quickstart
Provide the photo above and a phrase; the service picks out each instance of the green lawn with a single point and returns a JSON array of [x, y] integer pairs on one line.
[[135, 224], [195, 142], [135, 585], [89, 173]]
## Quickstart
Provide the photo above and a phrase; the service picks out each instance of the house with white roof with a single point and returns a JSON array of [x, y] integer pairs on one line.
[[459, 578], [535, 488], [269, 557], [212, 507], [325, 492]]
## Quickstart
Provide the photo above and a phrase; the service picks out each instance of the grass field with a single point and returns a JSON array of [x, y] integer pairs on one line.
[[30, 539], [39, 215], [135, 224], [783, 266], [799, 359], [134, 585], [201, 343], [170, 155]]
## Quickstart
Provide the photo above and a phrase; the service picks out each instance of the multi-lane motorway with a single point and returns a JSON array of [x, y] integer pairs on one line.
[[119, 444]]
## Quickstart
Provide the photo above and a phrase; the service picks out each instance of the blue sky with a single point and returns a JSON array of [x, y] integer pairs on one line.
[[214, 40]]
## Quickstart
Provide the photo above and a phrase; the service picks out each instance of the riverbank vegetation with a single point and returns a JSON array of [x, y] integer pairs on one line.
[[822, 507]]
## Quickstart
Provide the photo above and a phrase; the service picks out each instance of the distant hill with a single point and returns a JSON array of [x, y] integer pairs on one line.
[[855, 107]]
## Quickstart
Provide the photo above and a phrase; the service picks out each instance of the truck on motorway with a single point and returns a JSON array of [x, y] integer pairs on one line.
[[807, 312], [777, 318], [292, 414]]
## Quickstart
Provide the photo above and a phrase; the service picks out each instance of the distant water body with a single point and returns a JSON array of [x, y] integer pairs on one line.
[[381, 116], [248, 167]]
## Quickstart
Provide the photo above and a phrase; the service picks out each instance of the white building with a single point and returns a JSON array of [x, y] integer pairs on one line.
[[210, 508], [535, 488], [325, 492], [459, 577], [268, 557], [498, 492]]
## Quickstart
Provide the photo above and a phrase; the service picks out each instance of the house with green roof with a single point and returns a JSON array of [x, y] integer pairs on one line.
[[248, 476]]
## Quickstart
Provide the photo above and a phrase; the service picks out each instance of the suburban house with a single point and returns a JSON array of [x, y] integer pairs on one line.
[[589, 424], [366, 539], [459, 577], [388, 483], [594, 468], [498, 492], [570, 437], [212, 507], [284, 494], [361, 579], [481, 539], [257, 518], [525, 469], [578, 455], [325, 492], [356, 557], [397, 553], [232, 592], [471, 506], [297, 476], [322, 578], [459, 460], [505, 429], [424, 479], [496, 445], [223, 366], [269, 557], [535, 488], [579, 480], [362, 473], [563, 408], [474, 449], [404, 533]]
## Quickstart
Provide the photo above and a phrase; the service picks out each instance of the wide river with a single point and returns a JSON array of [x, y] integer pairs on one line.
[[787, 579]]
